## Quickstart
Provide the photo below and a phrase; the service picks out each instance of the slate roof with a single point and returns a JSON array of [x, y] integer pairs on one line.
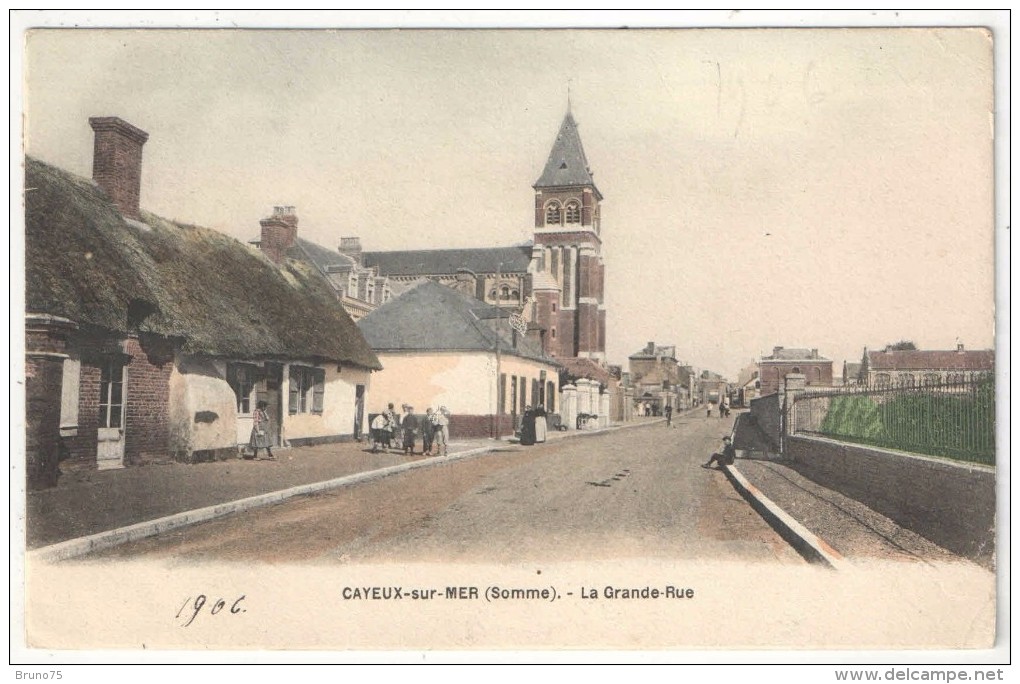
[[433, 317], [970, 360], [793, 355], [567, 165], [432, 262], [85, 262], [320, 256]]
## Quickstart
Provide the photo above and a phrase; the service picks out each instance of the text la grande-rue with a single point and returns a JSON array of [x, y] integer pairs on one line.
[[611, 592]]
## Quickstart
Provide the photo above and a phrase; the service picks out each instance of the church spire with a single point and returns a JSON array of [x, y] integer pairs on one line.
[[567, 165]]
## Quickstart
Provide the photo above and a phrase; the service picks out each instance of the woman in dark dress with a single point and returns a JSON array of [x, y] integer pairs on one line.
[[528, 427], [409, 425]]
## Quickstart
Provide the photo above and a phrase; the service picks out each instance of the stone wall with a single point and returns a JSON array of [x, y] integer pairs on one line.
[[949, 503], [766, 412]]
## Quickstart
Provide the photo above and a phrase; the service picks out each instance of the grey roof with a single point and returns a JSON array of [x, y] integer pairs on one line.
[[433, 317], [320, 256], [791, 354], [567, 165], [448, 261]]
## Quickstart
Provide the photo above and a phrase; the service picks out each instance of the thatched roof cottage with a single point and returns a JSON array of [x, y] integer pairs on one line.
[[147, 338]]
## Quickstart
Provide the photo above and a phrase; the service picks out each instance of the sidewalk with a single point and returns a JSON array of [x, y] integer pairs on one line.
[[91, 502], [853, 530]]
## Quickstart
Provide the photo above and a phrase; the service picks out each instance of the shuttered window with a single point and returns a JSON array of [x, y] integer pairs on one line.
[[307, 390]]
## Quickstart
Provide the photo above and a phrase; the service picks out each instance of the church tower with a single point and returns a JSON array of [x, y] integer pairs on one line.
[[567, 268]]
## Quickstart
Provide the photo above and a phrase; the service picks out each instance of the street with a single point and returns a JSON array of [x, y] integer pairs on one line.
[[636, 493]]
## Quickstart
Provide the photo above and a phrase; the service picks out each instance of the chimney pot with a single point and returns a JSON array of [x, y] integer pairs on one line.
[[279, 232], [959, 347], [117, 162]]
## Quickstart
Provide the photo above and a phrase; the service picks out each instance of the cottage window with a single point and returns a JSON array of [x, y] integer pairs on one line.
[[242, 377], [111, 394], [307, 388], [573, 212], [552, 214]]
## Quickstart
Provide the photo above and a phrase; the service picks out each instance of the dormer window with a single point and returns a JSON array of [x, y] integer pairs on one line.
[[552, 213], [573, 212]]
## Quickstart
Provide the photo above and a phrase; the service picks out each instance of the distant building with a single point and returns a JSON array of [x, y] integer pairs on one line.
[[655, 377], [748, 385], [359, 289], [783, 361], [712, 388], [851, 373], [924, 367]]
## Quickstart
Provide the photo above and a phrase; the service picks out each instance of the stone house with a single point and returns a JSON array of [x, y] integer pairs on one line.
[[441, 347], [148, 338]]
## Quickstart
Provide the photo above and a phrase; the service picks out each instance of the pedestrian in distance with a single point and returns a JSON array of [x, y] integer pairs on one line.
[[441, 430], [260, 431], [392, 422], [528, 427], [428, 428], [409, 429], [378, 432], [708, 411], [541, 424], [669, 415], [727, 457]]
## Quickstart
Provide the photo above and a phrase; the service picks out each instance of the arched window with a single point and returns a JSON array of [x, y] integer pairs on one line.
[[552, 213], [504, 292], [932, 379], [907, 380], [883, 380], [573, 212], [515, 295]]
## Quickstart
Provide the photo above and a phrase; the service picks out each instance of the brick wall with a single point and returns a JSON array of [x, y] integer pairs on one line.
[[951, 504], [147, 393], [43, 379], [146, 431], [478, 426]]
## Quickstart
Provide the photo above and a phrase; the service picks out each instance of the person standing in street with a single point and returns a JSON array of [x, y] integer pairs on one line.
[[428, 428], [260, 431], [409, 428], [541, 424], [669, 415], [528, 427], [441, 431], [392, 422]]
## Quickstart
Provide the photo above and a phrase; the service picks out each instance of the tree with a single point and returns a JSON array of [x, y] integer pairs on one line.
[[902, 345]]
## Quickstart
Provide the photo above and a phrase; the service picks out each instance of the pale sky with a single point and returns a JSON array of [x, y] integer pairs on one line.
[[828, 189]]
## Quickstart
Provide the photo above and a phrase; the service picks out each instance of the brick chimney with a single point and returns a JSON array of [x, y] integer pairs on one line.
[[117, 161], [351, 246], [278, 233]]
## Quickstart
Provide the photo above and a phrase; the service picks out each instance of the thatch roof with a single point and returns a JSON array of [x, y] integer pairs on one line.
[[220, 298], [432, 317]]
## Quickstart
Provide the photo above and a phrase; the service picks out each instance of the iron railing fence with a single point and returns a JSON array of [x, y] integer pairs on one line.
[[939, 418]]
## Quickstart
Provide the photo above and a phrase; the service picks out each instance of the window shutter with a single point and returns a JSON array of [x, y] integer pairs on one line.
[[294, 391], [318, 389]]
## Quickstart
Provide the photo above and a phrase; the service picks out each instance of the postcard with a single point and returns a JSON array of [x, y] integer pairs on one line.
[[397, 340]]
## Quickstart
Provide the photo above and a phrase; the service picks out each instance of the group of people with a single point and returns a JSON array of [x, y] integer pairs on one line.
[[534, 425], [388, 427], [724, 410]]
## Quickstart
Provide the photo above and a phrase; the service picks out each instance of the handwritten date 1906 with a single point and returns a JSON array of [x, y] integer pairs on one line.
[[201, 601]]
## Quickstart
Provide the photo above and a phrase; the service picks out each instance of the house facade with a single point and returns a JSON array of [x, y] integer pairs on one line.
[[924, 367], [441, 347], [148, 339], [783, 361]]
